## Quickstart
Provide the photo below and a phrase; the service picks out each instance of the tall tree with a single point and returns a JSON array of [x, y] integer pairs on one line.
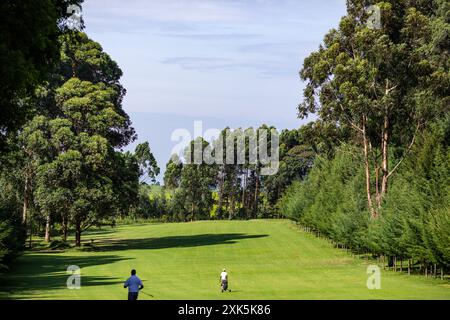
[[198, 181], [82, 124], [148, 166], [172, 175], [384, 83], [29, 49]]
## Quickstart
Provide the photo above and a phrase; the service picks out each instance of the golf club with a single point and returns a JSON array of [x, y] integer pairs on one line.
[[148, 294]]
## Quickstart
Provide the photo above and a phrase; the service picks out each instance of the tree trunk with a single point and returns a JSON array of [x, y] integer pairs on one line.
[[367, 170], [25, 200], [47, 229], [377, 183], [31, 233], [221, 191], [244, 185], [77, 234], [256, 193], [390, 262], [278, 198], [64, 228], [232, 207], [385, 160]]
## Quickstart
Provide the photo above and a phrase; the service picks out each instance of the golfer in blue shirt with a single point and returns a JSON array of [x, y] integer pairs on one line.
[[134, 284]]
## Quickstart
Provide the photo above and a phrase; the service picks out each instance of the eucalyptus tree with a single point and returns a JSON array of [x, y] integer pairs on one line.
[[385, 83], [197, 181], [147, 162], [229, 172], [172, 175], [296, 158]]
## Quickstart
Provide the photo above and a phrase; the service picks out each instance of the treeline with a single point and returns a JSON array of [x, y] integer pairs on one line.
[[29, 49], [413, 227], [233, 189], [64, 164], [386, 189], [62, 133]]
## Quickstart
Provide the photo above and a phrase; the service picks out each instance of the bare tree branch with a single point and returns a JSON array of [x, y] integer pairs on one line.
[[406, 152]]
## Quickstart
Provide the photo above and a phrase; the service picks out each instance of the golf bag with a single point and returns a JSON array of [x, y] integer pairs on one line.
[[224, 285]]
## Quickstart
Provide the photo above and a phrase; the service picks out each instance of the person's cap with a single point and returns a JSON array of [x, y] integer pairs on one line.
[[223, 269]]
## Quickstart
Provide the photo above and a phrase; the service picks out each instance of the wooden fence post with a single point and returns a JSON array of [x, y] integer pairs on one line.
[[409, 267]]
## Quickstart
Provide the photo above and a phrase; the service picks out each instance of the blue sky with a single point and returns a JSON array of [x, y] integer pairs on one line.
[[226, 62]]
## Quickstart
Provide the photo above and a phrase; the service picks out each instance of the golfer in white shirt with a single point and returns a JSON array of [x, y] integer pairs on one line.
[[224, 280]]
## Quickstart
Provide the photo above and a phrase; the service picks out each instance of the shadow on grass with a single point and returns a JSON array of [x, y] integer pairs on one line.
[[37, 273], [96, 232], [170, 242]]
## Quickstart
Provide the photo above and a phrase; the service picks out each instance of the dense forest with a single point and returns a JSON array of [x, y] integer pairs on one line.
[[371, 172]]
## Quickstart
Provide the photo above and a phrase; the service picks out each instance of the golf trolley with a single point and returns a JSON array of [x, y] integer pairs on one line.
[[224, 286]]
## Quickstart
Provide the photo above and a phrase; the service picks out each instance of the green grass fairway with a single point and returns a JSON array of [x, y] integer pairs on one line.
[[266, 259]]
